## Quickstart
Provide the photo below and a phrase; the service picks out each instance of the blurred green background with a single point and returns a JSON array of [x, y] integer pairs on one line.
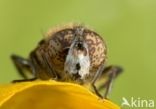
[[128, 26]]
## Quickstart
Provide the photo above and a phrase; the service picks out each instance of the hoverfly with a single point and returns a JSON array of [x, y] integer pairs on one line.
[[70, 53]]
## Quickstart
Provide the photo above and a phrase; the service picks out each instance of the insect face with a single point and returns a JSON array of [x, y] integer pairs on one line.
[[77, 62]]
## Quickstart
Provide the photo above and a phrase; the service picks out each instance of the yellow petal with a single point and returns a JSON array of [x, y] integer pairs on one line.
[[50, 95]]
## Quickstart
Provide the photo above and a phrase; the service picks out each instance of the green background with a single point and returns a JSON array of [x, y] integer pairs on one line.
[[128, 26]]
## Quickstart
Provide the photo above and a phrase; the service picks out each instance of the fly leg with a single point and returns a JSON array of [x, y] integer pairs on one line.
[[45, 57], [96, 77], [21, 64], [112, 72]]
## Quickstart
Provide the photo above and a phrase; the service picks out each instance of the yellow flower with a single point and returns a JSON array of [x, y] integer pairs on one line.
[[50, 95]]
